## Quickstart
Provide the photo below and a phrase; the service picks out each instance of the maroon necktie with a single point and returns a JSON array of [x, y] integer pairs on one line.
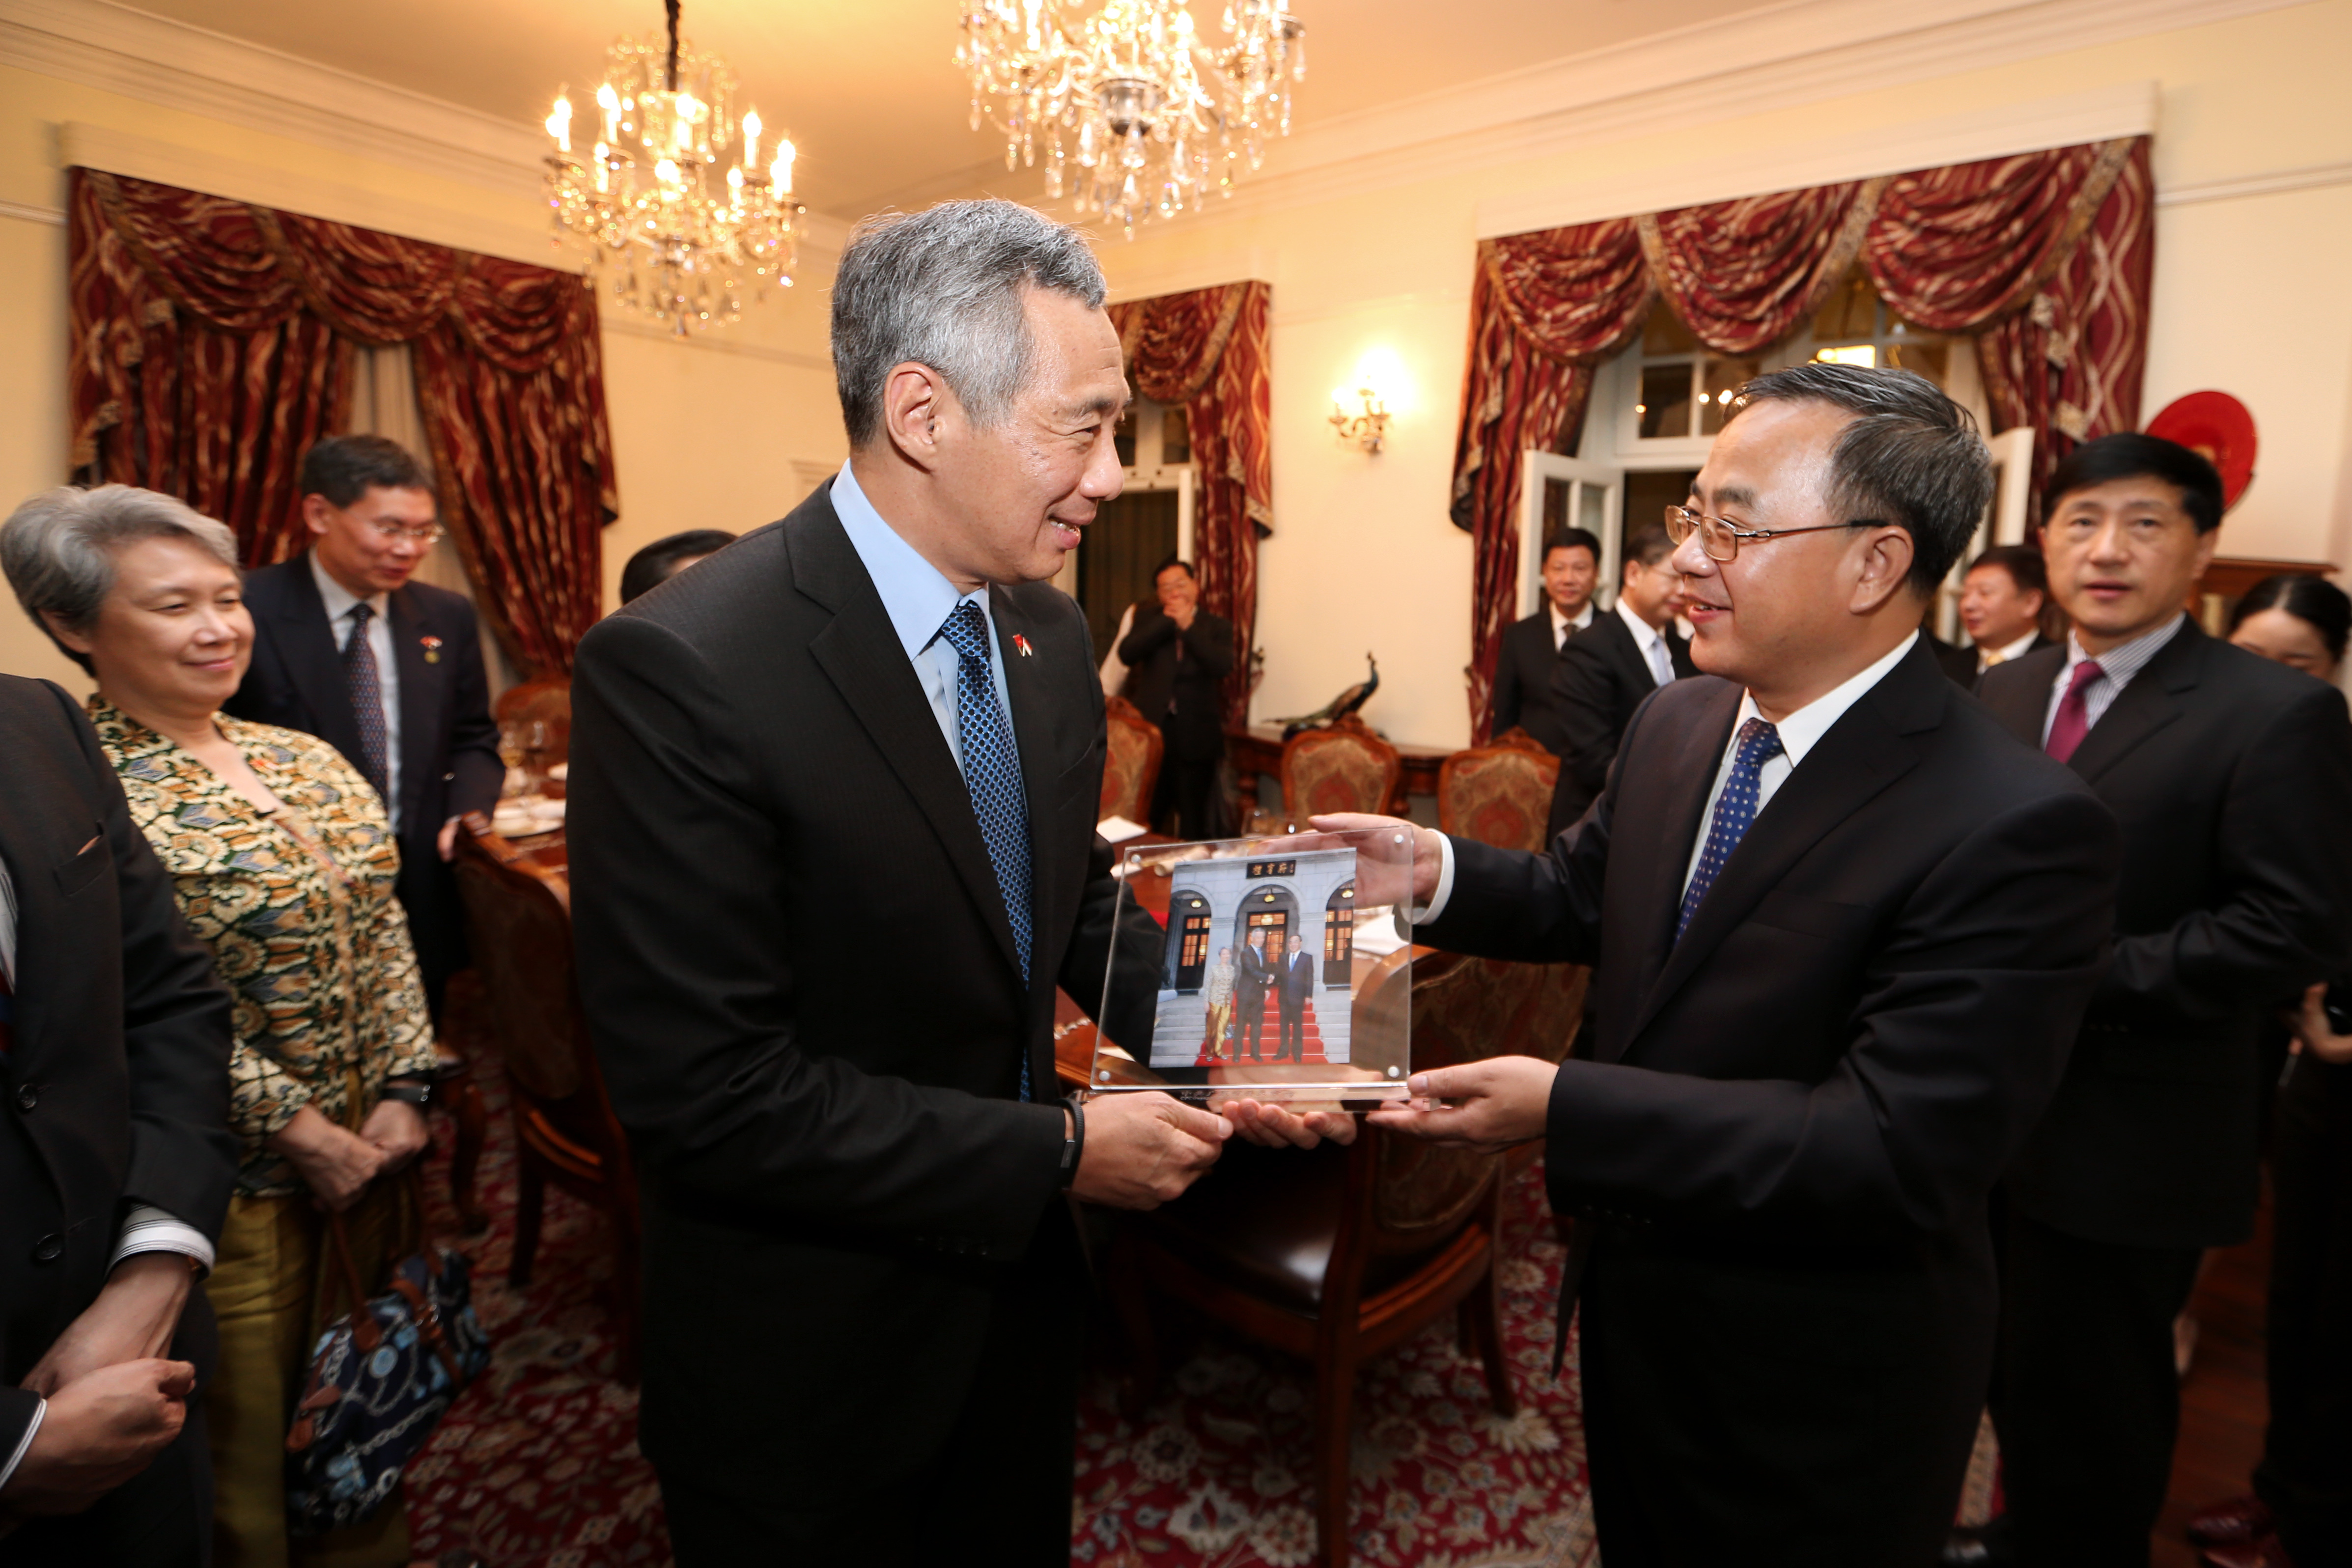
[[2074, 720]]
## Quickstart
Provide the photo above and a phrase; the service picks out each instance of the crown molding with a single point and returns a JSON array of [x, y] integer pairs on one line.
[[2311, 177], [24, 212]]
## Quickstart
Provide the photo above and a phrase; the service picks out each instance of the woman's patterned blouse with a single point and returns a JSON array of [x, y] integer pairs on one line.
[[329, 1002]]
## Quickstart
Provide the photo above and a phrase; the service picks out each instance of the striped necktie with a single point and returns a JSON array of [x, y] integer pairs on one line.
[[367, 701]]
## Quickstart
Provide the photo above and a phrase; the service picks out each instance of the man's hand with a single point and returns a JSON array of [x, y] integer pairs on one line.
[[397, 1128], [1488, 1106], [448, 839], [2312, 1031], [1276, 1126], [336, 1166], [132, 1320], [1144, 1149], [1396, 863], [100, 1429], [1183, 612]]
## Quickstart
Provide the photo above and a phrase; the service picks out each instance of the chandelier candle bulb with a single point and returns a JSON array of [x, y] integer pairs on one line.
[[559, 122], [752, 138]]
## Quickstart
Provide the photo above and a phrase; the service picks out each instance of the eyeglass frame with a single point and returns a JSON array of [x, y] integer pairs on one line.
[[1699, 520], [431, 533]]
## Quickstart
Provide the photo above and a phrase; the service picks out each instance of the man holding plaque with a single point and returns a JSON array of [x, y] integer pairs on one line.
[[864, 1290], [1843, 928]]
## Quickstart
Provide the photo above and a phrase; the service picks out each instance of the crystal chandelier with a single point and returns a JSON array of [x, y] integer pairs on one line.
[[672, 201], [1153, 118]]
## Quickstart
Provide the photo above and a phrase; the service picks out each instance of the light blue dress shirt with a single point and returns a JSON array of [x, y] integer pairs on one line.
[[918, 599]]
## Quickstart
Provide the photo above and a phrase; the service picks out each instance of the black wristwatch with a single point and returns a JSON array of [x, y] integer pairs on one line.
[[415, 1091]]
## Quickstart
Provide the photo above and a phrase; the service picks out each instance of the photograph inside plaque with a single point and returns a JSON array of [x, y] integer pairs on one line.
[[1246, 971]]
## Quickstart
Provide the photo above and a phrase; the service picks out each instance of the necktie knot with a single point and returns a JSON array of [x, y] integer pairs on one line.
[[2084, 673], [966, 631], [1759, 743]]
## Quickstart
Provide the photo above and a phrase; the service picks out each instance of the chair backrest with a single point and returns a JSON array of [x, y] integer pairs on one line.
[[548, 702], [1130, 762], [1499, 795], [1343, 768]]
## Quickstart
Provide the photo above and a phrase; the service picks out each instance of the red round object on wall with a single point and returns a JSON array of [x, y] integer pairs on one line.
[[2218, 427]]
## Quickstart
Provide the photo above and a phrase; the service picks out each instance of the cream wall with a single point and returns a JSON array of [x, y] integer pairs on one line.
[[704, 435], [2249, 298]]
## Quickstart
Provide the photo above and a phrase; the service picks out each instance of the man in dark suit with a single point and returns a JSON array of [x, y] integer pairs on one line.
[[116, 1159], [386, 670], [1297, 982], [1178, 655], [1609, 668], [875, 715], [2004, 600], [2229, 773], [1843, 928], [1531, 648], [1252, 978]]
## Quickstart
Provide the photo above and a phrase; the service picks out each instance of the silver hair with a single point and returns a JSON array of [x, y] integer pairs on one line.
[[944, 288], [57, 547]]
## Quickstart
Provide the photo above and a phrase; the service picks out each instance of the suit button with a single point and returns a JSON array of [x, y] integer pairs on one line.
[[28, 1097], [48, 1249]]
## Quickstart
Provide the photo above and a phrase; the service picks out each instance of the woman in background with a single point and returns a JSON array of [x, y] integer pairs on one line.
[[284, 864], [1219, 994]]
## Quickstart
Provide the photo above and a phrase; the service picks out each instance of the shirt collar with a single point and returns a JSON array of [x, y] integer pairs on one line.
[[2019, 649], [1561, 622], [2122, 661], [340, 599], [915, 594], [1802, 729], [1645, 635]]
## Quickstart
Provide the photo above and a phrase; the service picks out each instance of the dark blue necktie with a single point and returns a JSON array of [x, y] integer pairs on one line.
[[367, 701], [1735, 811], [991, 772]]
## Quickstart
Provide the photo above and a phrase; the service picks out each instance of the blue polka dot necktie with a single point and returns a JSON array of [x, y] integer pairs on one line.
[[367, 701], [991, 772], [1735, 811]]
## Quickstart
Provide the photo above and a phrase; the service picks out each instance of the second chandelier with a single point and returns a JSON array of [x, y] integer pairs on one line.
[[1135, 115]]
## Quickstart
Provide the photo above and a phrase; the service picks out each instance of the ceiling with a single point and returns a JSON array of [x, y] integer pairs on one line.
[[868, 90]]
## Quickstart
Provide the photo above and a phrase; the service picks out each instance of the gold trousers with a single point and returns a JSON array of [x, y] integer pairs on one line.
[[273, 1288]]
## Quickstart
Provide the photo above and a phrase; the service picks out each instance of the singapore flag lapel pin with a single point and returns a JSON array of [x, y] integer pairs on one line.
[[1022, 643]]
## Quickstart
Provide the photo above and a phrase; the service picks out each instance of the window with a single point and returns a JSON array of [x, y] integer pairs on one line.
[[1682, 389], [1854, 326], [1339, 935], [1188, 926], [1148, 521]]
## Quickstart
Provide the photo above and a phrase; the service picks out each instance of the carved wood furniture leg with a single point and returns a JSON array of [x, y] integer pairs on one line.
[[473, 1125]]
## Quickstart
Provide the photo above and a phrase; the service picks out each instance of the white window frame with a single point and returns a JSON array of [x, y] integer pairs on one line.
[[1149, 473], [1535, 469]]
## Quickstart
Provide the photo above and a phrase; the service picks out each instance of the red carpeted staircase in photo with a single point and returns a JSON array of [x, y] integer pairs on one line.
[[1270, 1037], [537, 1463]]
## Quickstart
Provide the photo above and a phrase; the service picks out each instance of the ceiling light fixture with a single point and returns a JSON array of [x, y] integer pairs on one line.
[[673, 200], [1136, 116]]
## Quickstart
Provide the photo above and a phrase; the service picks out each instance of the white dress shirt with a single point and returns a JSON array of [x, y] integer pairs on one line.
[[339, 602], [1988, 656], [1800, 733], [918, 599], [2117, 666], [1561, 627], [1651, 641]]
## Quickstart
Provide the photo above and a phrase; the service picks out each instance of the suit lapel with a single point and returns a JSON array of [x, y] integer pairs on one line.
[[420, 697], [30, 856], [860, 652], [1027, 687], [313, 661], [2018, 692], [2144, 707], [1679, 801], [1874, 744]]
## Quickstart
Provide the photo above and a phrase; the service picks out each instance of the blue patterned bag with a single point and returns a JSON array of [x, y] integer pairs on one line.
[[380, 1380]]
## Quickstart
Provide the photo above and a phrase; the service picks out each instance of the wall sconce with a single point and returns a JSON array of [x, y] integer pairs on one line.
[[1366, 429]]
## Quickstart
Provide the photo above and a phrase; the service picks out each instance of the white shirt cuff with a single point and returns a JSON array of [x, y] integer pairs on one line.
[[1408, 918], [150, 1229], [24, 1444]]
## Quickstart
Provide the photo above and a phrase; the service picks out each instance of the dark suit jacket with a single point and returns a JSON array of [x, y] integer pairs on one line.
[[2229, 774], [1960, 663], [1252, 973], [1600, 679], [1523, 673], [449, 743], [117, 1084], [1786, 1124], [839, 1178], [1297, 979], [1174, 679]]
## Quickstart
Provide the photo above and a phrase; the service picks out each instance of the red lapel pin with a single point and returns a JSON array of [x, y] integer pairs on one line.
[[432, 648], [1022, 643]]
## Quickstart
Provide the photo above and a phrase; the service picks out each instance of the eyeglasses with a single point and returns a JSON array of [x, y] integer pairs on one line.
[[430, 533], [1720, 537]]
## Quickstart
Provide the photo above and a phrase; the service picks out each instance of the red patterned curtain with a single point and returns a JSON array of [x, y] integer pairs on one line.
[[1206, 350], [212, 342], [2046, 258]]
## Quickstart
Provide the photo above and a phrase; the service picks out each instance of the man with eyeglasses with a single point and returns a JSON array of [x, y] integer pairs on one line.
[[389, 671], [1842, 927]]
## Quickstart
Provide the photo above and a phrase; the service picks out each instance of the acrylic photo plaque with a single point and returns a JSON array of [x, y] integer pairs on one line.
[[1258, 969]]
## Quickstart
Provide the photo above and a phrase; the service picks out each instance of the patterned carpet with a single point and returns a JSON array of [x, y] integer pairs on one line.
[[537, 1466]]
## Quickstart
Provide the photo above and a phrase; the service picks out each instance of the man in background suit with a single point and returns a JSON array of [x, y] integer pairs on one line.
[[877, 715], [1608, 669], [116, 1159], [1178, 655], [1297, 984], [1843, 929], [1252, 978], [2229, 775], [1531, 648], [387, 671], [2004, 598]]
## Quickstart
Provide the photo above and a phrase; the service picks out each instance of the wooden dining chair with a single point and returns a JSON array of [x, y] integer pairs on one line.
[[518, 923], [1130, 762], [1338, 1255], [1498, 794], [546, 703], [1343, 768]]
